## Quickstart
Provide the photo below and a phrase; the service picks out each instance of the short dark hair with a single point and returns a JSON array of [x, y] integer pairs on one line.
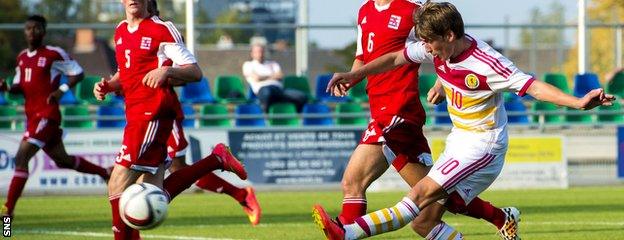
[[152, 8], [38, 18], [434, 20]]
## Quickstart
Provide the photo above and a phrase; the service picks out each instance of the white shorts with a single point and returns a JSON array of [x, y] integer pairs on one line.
[[470, 162]]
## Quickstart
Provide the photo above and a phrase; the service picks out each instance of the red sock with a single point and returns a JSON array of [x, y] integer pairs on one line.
[[352, 208], [182, 179], [82, 165], [15, 189], [121, 231], [214, 183], [477, 209]]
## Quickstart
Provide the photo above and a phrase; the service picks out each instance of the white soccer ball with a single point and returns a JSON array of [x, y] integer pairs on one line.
[[143, 206]]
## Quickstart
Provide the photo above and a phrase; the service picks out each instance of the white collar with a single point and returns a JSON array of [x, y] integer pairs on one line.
[[31, 54], [382, 8]]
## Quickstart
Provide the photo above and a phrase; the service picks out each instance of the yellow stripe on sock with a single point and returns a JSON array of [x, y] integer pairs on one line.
[[399, 216], [376, 221], [452, 236], [386, 213]]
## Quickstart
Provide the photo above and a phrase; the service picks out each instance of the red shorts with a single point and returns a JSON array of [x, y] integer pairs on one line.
[[144, 145], [404, 142], [43, 132], [176, 144]]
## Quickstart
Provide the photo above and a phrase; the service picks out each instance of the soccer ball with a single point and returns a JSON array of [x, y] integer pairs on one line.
[[143, 206]]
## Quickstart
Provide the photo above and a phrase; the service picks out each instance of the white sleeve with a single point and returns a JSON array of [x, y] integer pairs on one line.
[[68, 67], [411, 38], [247, 69], [359, 51], [503, 75], [276, 67], [16, 78], [178, 53], [417, 53]]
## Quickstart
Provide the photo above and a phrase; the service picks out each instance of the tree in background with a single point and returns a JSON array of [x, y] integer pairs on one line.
[[10, 41], [231, 16], [602, 40], [544, 37]]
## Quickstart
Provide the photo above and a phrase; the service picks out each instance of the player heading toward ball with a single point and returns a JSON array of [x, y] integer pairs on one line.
[[473, 77]]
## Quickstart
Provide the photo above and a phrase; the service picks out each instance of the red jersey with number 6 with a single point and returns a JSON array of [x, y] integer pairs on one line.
[[140, 50], [382, 30]]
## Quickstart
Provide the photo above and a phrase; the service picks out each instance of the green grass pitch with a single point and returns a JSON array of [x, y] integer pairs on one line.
[[577, 213]]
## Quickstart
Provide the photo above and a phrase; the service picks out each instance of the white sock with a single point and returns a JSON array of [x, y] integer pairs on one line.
[[443, 231], [382, 221]]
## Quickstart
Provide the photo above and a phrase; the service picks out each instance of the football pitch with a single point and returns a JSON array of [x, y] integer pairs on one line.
[[577, 213]]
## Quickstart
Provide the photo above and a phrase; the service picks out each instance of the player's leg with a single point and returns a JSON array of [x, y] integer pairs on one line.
[[56, 151], [25, 152], [121, 177]]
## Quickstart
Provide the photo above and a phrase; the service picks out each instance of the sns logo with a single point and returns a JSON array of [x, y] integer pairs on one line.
[[6, 226], [472, 81]]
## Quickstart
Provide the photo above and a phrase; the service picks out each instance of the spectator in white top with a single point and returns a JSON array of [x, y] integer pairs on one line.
[[264, 77]]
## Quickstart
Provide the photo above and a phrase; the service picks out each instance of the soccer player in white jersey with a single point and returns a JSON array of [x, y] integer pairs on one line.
[[473, 77]]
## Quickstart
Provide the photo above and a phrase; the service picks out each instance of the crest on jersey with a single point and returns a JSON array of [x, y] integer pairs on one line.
[[394, 22], [472, 81], [41, 62], [146, 42]]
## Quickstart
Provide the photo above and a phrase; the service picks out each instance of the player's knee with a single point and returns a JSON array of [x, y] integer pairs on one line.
[[67, 162], [455, 204]]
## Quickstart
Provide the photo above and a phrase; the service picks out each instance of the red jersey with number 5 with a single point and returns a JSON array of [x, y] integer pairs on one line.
[[382, 30], [139, 50], [38, 74]]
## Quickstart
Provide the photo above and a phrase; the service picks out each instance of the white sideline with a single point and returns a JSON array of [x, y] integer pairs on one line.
[[109, 235]]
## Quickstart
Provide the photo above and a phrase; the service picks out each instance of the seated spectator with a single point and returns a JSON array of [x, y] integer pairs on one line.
[[264, 77]]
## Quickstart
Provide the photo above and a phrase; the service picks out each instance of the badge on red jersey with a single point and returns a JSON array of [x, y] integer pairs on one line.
[[146, 42], [394, 22], [472, 81], [41, 62]]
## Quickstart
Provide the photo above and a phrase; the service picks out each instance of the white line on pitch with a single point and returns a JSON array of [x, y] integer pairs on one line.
[[108, 235]]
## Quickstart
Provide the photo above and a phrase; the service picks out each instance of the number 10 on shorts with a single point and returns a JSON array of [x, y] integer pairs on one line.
[[6, 226]]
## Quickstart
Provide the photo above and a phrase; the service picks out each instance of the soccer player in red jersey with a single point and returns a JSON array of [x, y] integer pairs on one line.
[[395, 136], [37, 77], [143, 43]]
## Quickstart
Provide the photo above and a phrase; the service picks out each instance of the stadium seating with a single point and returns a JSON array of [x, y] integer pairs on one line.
[[300, 83], [251, 96], [515, 105], [13, 98], [7, 112], [105, 111], [428, 119], [613, 117], [321, 85], [3, 100], [426, 82], [215, 110], [558, 80], [68, 98], [283, 108], [546, 106], [350, 108], [358, 92], [197, 92], [84, 91], [188, 110], [248, 110], [616, 85], [584, 117], [583, 83], [230, 89], [76, 111], [317, 108], [443, 118]]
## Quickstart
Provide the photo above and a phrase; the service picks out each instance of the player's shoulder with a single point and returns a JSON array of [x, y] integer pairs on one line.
[[408, 4], [55, 50], [22, 53], [167, 28], [122, 23]]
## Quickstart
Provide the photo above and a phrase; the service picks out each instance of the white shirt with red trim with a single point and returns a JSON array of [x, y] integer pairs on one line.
[[474, 82]]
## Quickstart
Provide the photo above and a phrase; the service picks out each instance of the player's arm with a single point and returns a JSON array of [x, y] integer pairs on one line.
[[436, 94], [71, 69], [105, 86], [545, 92], [188, 70], [180, 75]]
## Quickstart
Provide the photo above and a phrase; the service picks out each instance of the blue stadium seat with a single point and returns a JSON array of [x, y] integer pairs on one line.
[[197, 92], [249, 109], [188, 110], [317, 108], [516, 106], [3, 100], [69, 97], [321, 84], [251, 96], [583, 83], [108, 111], [441, 109]]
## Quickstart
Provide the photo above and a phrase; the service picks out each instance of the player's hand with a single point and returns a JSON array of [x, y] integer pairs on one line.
[[594, 98], [3, 85], [340, 84], [436, 94], [100, 89], [156, 77], [55, 96]]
